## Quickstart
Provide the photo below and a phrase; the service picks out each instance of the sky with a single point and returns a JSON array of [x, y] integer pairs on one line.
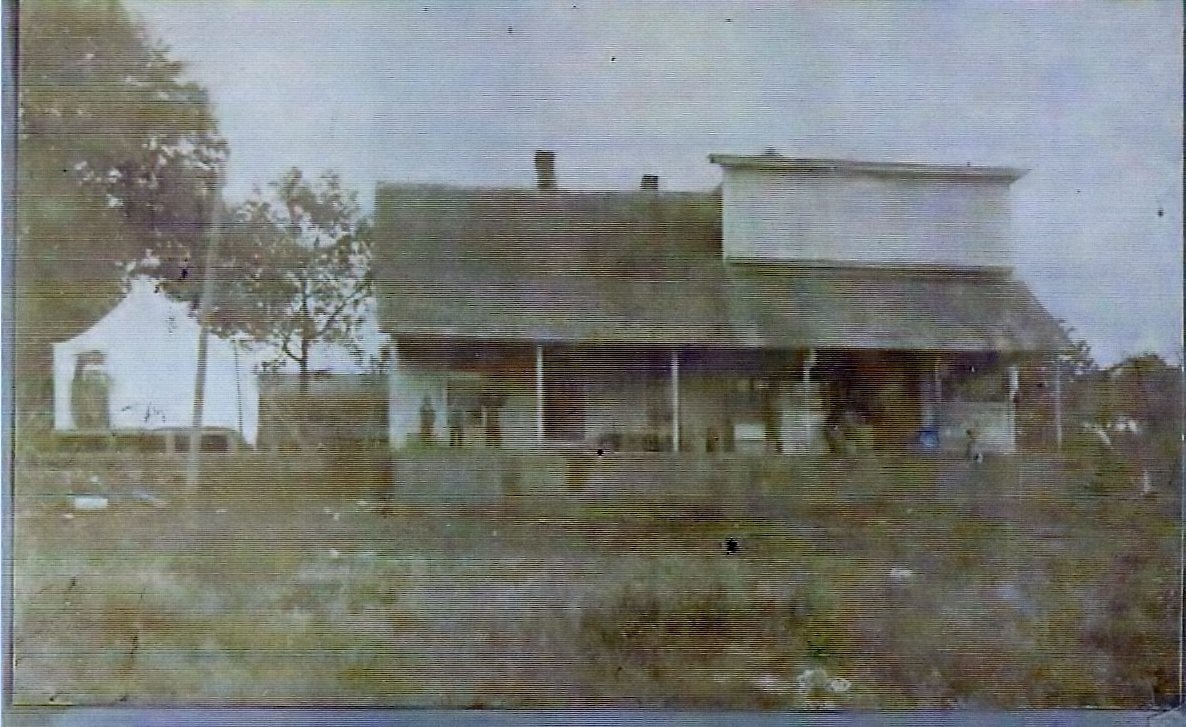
[[1087, 96]]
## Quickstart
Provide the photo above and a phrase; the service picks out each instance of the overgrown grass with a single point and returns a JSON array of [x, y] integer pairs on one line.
[[295, 580]]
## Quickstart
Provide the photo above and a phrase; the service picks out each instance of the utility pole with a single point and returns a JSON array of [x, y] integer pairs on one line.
[[194, 468], [1058, 403]]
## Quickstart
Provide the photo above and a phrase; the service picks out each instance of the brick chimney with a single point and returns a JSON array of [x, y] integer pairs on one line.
[[650, 183], [545, 169]]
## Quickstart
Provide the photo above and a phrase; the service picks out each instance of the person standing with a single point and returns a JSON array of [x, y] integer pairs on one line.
[[428, 419], [973, 451], [491, 403], [456, 429]]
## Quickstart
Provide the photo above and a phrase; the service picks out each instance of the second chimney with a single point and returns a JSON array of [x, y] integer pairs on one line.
[[545, 169], [650, 182]]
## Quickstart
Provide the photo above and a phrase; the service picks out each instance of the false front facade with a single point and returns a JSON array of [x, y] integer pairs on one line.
[[806, 305]]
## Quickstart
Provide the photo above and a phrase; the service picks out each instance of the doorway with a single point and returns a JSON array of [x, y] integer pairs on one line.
[[564, 410], [564, 400]]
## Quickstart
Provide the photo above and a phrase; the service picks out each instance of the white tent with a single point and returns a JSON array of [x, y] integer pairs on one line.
[[146, 348]]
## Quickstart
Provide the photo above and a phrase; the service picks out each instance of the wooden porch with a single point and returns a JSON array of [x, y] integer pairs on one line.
[[649, 399]]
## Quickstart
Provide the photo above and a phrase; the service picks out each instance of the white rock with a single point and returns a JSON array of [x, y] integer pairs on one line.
[[839, 685], [333, 553], [67, 516], [809, 676], [900, 574], [90, 502]]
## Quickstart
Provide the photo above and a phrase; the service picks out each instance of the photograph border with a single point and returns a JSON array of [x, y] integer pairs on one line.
[[266, 715]]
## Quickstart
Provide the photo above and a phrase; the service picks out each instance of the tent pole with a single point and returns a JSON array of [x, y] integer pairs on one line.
[[193, 470], [238, 391], [675, 401], [1057, 404], [1013, 377]]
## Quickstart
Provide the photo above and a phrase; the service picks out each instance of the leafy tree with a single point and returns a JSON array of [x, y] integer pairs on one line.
[[1080, 376], [298, 265], [1078, 361], [116, 154], [1148, 391]]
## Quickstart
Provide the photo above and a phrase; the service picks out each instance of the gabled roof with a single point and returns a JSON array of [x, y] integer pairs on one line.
[[645, 268], [143, 311]]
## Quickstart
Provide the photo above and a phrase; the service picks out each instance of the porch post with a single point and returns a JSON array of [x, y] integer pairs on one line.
[[675, 400], [539, 392], [937, 372], [931, 384], [1057, 404], [1014, 375]]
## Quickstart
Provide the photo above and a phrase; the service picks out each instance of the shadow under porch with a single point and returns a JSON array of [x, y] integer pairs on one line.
[[650, 399]]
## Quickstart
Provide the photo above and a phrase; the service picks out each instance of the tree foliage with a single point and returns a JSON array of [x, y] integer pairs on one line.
[[1125, 421], [1078, 371], [297, 269], [1077, 361], [116, 155]]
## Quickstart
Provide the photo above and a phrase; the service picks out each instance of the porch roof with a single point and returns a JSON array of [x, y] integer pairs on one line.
[[646, 268]]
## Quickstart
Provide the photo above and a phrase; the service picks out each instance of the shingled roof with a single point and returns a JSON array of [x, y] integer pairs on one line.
[[646, 268]]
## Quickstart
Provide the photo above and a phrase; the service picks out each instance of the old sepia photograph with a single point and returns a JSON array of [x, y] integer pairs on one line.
[[735, 359]]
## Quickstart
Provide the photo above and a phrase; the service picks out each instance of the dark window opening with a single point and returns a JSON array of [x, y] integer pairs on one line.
[[564, 410]]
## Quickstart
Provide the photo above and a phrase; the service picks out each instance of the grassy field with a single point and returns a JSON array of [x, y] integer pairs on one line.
[[303, 581]]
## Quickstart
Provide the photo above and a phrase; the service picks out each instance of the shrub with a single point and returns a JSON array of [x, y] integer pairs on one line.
[[671, 636]]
